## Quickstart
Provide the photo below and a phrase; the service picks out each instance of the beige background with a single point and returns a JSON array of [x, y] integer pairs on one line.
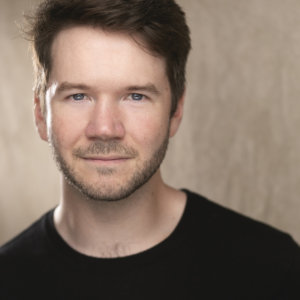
[[238, 143]]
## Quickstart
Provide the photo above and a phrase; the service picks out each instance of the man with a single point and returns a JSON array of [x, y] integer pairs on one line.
[[109, 93]]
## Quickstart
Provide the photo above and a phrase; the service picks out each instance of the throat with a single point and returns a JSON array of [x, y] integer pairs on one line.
[[122, 231]]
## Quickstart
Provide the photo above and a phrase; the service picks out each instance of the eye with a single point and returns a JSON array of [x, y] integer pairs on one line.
[[78, 97], [137, 97]]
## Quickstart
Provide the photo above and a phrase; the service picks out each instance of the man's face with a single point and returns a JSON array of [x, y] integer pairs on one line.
[[107, 112]]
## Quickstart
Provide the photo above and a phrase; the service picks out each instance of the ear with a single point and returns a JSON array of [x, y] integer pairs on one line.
[[177, 116], [40, 119]]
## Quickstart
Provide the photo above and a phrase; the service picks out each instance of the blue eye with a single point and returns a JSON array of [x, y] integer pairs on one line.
[[78, 97], [137, 97]]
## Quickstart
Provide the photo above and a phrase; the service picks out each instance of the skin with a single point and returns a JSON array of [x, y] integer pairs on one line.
[[107, 114]]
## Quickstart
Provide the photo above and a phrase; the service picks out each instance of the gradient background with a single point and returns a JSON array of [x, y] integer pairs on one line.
[[238, 143]]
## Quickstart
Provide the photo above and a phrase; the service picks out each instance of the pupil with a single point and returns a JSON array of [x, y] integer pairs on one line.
[[137, 96], [78, 96]]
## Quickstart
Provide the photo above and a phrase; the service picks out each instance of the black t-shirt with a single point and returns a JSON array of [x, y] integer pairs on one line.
[[214, 253]]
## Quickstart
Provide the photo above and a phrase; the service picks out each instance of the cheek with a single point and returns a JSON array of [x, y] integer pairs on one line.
[[149, 131], [66, 129]]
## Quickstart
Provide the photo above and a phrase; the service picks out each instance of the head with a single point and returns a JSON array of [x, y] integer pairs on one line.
[[158, 24], [125, 60]]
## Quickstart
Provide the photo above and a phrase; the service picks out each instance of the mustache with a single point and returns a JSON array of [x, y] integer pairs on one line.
[[105, 147]]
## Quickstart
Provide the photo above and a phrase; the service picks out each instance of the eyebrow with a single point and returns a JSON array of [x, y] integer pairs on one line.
[[66, 86], [151, 88]]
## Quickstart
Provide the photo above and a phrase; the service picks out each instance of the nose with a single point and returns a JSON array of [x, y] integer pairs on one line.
[[105, 121]]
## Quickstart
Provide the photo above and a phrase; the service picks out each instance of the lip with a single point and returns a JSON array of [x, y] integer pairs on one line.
[[106, 159]]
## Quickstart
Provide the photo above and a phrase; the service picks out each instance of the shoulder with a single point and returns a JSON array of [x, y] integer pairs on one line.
[[243, 250], [30, 241], [234, 230]]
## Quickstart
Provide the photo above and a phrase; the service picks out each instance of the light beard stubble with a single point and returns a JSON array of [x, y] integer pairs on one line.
[[139, 178]]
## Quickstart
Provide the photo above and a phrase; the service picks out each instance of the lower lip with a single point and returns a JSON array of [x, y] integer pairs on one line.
[[106, 162]]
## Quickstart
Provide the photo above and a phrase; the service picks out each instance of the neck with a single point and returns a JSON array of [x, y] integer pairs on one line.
[[119, 228]]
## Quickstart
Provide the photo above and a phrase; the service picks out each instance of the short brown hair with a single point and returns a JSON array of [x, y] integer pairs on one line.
[[160, 23]]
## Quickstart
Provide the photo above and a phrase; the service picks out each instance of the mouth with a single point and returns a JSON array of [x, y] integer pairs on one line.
[[106, 160]]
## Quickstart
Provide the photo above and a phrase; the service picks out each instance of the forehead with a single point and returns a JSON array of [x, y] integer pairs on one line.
[[94, 54]]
